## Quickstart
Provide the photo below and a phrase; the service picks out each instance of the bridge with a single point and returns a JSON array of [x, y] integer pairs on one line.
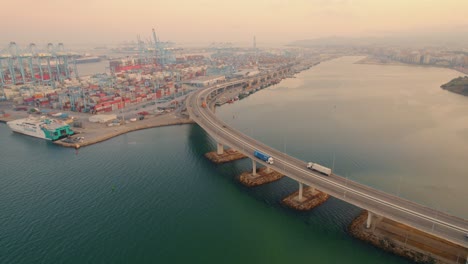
[[376, 202]]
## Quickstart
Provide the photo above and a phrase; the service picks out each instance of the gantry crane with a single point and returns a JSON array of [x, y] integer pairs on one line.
[[16, 56], [3, 56], [62, 54]]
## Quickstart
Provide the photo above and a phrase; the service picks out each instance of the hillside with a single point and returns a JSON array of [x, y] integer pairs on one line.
[[458, 85]]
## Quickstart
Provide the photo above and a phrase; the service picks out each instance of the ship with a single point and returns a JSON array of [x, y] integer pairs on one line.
[[129, 64], [45, 128], [87, 59]]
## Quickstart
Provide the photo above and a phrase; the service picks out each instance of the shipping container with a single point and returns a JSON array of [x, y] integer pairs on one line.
[[319, 168]]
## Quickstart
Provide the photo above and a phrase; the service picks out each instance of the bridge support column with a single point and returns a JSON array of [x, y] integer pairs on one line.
[[254, 167], [306, 198], [301, 187], [312, 189], [220, 149], [369, 219], [267, 169]]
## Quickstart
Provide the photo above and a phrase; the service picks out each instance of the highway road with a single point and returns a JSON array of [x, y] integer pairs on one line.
[[451, 228]]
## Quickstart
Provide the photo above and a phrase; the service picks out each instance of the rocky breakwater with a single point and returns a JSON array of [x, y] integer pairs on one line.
[[262, 176], [406, 241], [227, 156]]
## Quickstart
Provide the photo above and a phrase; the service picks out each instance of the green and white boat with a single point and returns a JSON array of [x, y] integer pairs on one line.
[[45, 128]]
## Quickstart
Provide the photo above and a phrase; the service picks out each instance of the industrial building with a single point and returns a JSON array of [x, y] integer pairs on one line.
[[205, 81]]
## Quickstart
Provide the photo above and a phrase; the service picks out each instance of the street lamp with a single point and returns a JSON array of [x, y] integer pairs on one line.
[[346, 185], [333, 163], [437, 214], [284, 151], [399, 184]]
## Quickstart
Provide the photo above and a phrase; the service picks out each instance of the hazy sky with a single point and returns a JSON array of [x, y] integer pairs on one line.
[[195, 21]]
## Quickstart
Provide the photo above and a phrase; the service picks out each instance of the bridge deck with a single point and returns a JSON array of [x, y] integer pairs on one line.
[[448, 227]]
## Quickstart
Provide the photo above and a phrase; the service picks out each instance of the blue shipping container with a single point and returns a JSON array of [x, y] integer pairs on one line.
[[261, 155]]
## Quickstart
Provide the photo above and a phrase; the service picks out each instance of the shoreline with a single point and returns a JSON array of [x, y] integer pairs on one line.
[[375, 61], [93, 133], [99, 132], [406, 241], [123, 129], [458, 86]]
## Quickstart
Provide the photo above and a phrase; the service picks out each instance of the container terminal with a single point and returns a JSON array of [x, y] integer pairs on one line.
[[152, 79]]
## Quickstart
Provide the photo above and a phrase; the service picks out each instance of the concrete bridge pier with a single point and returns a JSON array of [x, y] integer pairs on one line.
[[220, 149], [369, 219], [310, 189], [305, 198], [301, 187], [223, 156], [254, 168], [258, 177]]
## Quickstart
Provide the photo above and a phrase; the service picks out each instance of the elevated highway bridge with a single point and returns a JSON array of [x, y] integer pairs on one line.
[[376, 202]]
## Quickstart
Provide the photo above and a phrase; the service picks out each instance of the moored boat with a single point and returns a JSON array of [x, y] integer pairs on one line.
[[45, 128]]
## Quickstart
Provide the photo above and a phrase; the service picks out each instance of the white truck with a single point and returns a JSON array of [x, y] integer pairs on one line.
[[319, 168]]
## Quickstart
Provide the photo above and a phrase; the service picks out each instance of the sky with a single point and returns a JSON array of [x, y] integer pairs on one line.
[[205, 21]]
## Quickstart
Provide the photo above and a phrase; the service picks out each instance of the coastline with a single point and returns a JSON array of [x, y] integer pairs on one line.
[[376, 61], [406, 241], [458, 85], [93, 133], [98, 135]]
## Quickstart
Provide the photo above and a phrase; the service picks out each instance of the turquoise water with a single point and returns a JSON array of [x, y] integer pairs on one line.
[[151, 197]]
